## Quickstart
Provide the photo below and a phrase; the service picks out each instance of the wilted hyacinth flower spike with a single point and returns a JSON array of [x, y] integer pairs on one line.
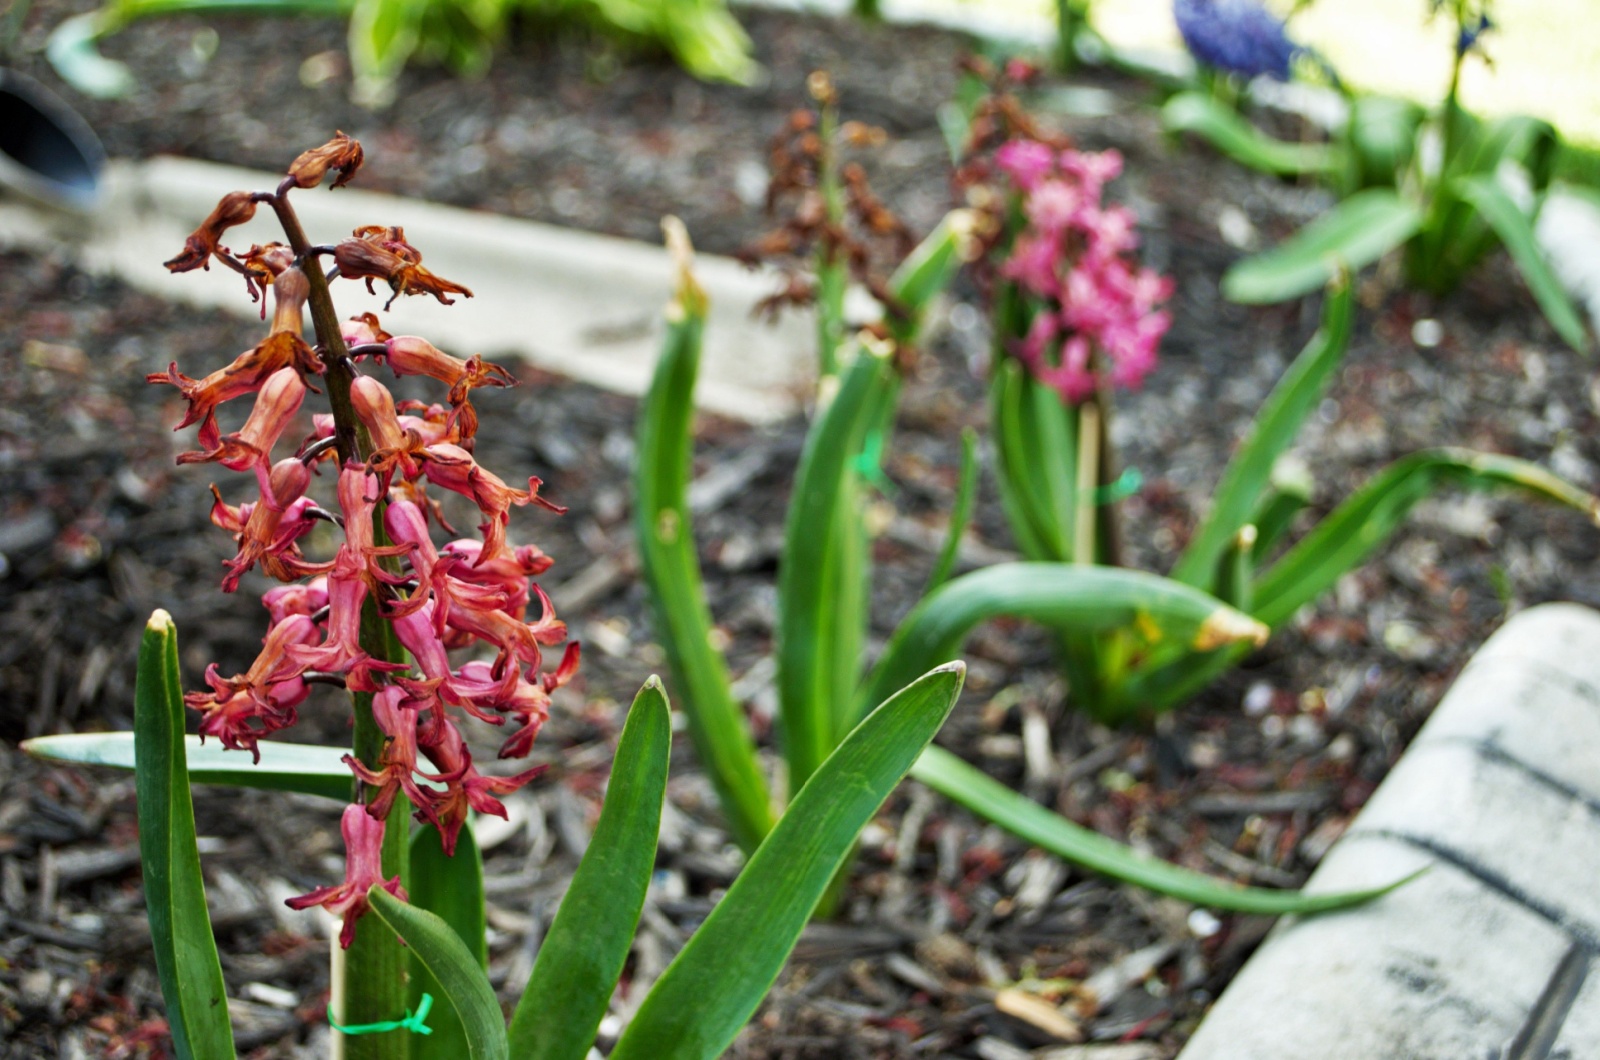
[[383, 459], [1236, 36]]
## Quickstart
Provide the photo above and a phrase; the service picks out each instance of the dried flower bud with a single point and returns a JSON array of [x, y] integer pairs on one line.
[[340, 153], [236, 208]]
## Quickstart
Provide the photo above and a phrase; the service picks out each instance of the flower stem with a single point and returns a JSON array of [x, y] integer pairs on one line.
[[376, 964]]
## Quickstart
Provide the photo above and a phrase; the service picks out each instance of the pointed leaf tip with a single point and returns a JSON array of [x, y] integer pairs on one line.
[[1226, 626]]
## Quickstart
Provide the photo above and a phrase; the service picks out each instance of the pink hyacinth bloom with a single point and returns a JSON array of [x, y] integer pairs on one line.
[[1052, 206], [240, 710], [363, 846], [1093, 169], [1033, 263], [467, 789], [1026, 162]]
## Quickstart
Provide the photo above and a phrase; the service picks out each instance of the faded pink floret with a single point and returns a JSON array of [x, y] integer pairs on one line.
[[1095, 321], [363, 846]]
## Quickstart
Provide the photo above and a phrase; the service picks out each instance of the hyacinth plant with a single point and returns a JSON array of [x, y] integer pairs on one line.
[[1074, 319], [823, 684], [381, 617], [1447, 187]]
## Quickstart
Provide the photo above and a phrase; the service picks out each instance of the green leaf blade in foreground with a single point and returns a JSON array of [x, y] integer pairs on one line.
[[1353, 235], [1516, 232], [583, 953], [305, 768], [451, 888], [1068, 598], [1367, 517], [175, 895], [1223, 128], [1026, 819], [729, 964], [671, 567], [462, 982], [1273, 430]]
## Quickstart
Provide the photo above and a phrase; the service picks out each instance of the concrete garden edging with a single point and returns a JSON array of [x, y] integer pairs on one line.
[[582, 305], [1489, 954]]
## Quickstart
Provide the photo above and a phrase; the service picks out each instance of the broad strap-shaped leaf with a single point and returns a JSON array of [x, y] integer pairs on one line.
[[1273, 431], [1068, 598], [454, 967], [1353, 235], [305, 768], [728, 965], [174, 892], [587, 945], [1366, 519], [451, 888], [1515, 230], [810, 618], [960, 512], [671, 568], [1222, 127], [1026, 819]]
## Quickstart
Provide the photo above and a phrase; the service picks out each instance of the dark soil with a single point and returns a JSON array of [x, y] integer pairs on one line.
[[1251, 782]]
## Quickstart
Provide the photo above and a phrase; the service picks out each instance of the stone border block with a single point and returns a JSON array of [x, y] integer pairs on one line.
[[1488, 954]]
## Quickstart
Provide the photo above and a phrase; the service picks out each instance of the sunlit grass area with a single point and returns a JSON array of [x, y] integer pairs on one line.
[[1546, 53]]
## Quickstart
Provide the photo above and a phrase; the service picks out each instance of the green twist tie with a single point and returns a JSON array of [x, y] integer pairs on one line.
[[1128, 483], [415, 1022], [869, 462]]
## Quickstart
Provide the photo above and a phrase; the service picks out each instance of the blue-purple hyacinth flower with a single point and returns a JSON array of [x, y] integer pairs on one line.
[[1238, 36]]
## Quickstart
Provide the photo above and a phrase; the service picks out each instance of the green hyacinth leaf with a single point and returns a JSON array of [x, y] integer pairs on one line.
[[665, 536], [1353, 235], [1076, 599], [454, 967], [1249, 473], [1223, 128], [1026, 819], [1515, 230], [174, 892], [305, 768], [710, 989], [584, 952], [451, 888], [1369, 516]]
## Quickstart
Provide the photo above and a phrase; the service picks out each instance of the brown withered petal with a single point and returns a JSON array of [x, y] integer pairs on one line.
[[236, 208], [341, 153], [417, 280]]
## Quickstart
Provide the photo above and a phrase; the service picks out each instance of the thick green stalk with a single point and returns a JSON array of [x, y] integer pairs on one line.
[[376, 964]]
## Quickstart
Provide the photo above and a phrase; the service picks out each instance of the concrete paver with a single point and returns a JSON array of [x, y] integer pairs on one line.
[[1490, 953]]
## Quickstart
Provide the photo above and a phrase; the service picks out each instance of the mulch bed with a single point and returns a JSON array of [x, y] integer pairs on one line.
[[1252, 781]]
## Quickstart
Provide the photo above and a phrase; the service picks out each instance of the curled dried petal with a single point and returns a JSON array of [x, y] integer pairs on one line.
[[342, 154], [236, 208]]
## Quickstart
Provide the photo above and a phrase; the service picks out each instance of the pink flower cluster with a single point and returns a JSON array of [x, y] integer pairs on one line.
[[1095, 317], [436, 599]]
